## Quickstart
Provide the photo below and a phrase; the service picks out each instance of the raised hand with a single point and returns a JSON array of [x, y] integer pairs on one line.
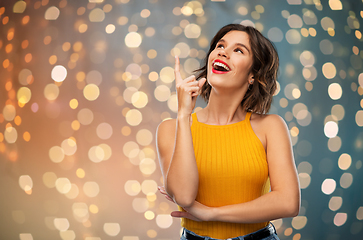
[[187, 89]]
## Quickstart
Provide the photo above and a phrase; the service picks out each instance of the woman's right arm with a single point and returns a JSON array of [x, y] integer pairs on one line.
[[175, 144]]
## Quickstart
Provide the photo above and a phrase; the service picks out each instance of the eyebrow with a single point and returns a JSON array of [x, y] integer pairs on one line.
[[238, 44]]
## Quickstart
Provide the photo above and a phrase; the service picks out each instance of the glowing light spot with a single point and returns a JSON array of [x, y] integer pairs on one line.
[[173, 103], [328, 186], [144, 137], [340, 219], [69, 146], [327, 23], [133, 40], [85, 116], [344, 161], [331, 129], [359, 214], [80, 173], [305, 180], [93, 209], [19, 7], [149, 186], [49, 179], [91, 189], [335, 91], [96, 15], [167, 75], [9, 112], [192, 31], [338, 111], [111, 229], [346, 180], [133, 117], [140, 204], [61, 224], [67, 235], [307, 59], [294, 21], [25, 77], [326, 47], [335, 5], [24, 94], [91, 92], [139, 99], [52, 13], [162, 93], [25, 236], [149, 215], [334, 144], [110, 28], [59, 73], [132, 187], [359, 118], [26, 183], [104, 131], [299, 222], [275, 34], [335, 203], [26, 136], [164, 220], [73, 192], [293, 36], [56, 154], [131, 149], [73, 103], [96, 154], [80, 210], [147, 166], [51, 91], [63, 185], [10, 135]]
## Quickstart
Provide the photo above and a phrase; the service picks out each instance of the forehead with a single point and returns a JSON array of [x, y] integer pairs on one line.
[[234, 37]]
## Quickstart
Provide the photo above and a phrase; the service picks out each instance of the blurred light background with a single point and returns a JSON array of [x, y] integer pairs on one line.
[[85, 83]]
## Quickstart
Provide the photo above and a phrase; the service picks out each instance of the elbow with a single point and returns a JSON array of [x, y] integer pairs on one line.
[[292, 209], [184, 201]]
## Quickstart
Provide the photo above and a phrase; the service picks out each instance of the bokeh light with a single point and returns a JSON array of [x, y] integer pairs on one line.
[[86, 83]]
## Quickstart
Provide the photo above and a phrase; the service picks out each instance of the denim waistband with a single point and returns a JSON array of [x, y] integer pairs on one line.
[[247, 236]]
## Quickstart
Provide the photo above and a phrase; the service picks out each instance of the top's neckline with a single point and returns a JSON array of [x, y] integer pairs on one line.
[[247, 118]]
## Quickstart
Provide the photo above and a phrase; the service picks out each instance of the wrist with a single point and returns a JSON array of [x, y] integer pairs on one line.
[[183, 117]]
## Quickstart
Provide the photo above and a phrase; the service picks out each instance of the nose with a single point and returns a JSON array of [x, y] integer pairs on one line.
[[222, 53]]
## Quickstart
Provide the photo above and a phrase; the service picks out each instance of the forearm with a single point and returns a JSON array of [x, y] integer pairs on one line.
[[270, 206], [182, 176]]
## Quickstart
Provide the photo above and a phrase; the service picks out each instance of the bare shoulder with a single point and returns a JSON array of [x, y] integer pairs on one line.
[[166, 130], [268, 121], [167, 125]]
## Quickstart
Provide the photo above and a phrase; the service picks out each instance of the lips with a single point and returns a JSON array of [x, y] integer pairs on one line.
[[220, 67]]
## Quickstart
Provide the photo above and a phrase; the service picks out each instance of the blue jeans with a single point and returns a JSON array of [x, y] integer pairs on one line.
[[271, 237]]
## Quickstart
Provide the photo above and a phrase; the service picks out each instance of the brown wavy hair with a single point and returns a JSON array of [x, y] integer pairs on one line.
[[258, 97]]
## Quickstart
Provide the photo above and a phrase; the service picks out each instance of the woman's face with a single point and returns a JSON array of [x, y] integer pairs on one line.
[[230, 62]]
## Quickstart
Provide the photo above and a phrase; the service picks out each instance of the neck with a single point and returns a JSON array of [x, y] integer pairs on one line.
[[224, 108]]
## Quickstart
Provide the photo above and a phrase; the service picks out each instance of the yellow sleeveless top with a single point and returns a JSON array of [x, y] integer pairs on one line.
[[232, 169]]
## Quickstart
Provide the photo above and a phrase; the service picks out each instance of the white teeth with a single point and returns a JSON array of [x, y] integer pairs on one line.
[[221, 65]]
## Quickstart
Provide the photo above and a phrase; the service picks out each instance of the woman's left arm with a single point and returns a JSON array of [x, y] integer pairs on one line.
[[284, 198]]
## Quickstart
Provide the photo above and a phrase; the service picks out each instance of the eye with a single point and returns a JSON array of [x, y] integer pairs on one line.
[[220, 45], [238, 50]]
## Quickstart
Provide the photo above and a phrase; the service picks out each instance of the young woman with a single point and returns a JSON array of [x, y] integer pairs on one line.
[[229, 167]]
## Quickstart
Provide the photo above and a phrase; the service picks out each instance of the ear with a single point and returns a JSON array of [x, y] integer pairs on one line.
[[251, 79]]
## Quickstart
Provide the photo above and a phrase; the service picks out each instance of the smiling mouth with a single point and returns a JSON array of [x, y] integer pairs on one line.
[[220, 66]]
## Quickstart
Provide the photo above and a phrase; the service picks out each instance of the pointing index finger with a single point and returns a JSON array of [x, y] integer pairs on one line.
[[178, 77]]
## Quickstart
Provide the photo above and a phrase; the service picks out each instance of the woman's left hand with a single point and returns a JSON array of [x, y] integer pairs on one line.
[[197, 212]]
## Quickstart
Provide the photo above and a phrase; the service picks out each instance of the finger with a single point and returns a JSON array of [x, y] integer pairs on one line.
[[169, 198], [178, 78], [201, 82], [189, 79], [179, 214]]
